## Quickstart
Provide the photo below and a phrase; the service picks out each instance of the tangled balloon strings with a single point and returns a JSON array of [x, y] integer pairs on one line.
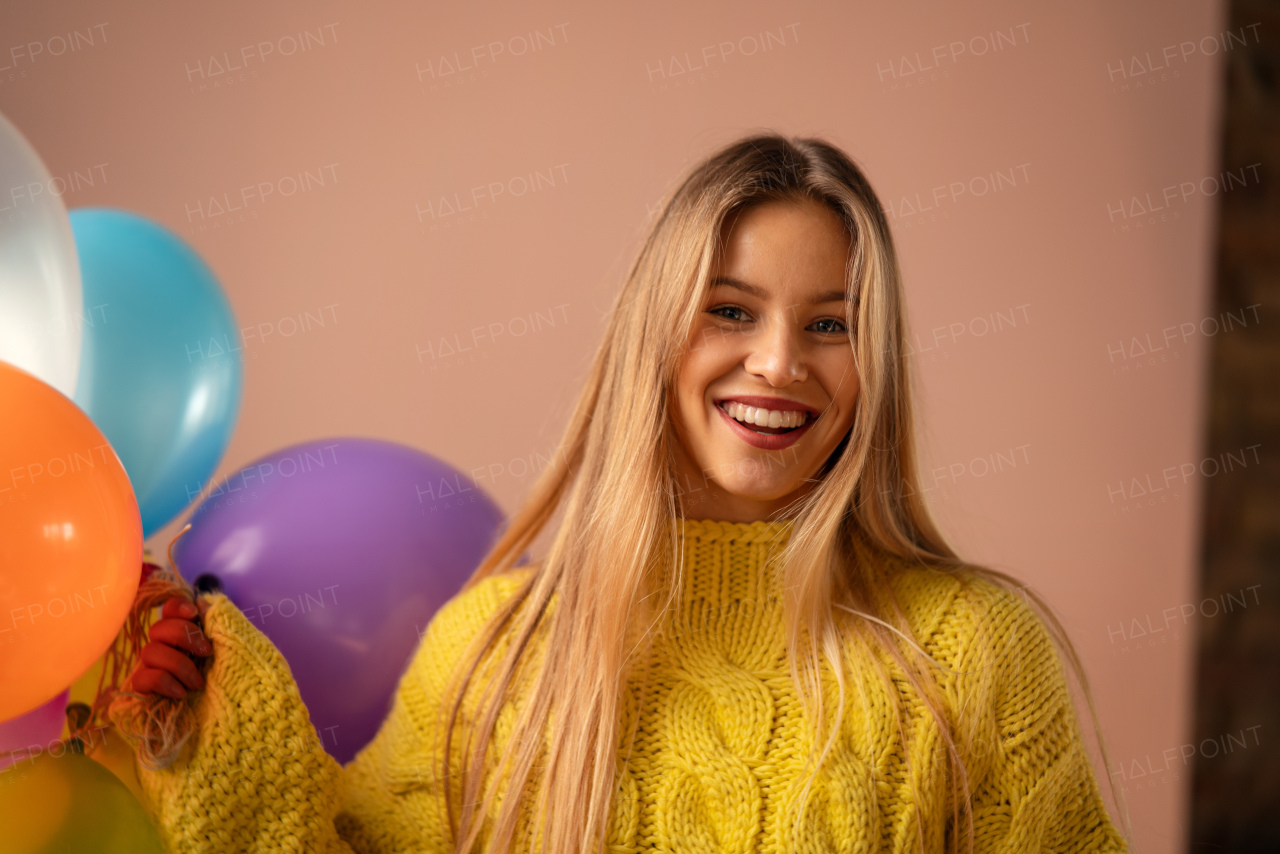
[[155, 725]]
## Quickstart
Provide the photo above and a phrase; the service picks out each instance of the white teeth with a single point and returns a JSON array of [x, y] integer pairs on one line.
[[764, 417]]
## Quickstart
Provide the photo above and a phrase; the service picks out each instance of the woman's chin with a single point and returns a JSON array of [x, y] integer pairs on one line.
[[760, 493]]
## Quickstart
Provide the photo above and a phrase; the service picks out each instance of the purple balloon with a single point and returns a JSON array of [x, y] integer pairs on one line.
[[340, 551], [26, 736]]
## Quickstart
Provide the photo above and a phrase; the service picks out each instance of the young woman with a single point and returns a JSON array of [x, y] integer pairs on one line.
[[746, 634]]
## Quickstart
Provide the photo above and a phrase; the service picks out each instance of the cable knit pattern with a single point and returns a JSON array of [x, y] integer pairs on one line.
[[719, 758]]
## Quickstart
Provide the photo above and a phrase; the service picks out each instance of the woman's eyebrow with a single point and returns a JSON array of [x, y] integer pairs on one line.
[[760, 293]]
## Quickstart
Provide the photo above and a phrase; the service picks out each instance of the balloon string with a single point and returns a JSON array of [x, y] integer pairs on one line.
[[155, 725]]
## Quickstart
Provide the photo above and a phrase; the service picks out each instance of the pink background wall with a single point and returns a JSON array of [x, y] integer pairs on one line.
[[1031, 302]]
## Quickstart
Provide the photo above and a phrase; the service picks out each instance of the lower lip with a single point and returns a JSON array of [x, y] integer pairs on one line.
[[764, 441]]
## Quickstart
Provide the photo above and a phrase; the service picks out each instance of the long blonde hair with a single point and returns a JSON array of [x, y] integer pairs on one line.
[[590, 599]]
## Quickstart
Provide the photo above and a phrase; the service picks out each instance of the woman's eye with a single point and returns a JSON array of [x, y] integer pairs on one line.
[[731, 312], [829, 325]]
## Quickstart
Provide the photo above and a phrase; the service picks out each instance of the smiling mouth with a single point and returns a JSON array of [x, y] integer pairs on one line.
[[764, 421]]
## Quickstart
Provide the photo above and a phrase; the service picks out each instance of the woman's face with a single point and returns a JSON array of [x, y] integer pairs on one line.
[[768, 386]]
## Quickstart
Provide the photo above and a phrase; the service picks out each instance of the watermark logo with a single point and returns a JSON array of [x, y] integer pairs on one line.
[[238, 486], [1140, 72], [290, 606], [55, 607], [451, 351], [219, 210], [706, 63], [59, 323], [48, 472], [516, 467], [57, 748], [1146, 774], [949, 335], [22, 57], [1143, 632], [938, 202], [450, 210], [20, 195], [213, 352], [457, 68], [777, 177], [1139, 353], [1138, 213], [690, 491], [446, 493], [1138, 492], [937, 63], [942, 478], [240, 66]]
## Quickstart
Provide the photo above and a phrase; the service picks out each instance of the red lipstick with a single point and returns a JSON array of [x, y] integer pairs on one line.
[[765, 441]]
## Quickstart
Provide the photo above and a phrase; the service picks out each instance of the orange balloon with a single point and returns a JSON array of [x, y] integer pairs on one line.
[[70, 542]]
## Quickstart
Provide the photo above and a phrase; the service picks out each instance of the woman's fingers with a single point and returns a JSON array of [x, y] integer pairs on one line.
[[151, 680], [164, 668], [167, 658], [176, 606], [183, 634]]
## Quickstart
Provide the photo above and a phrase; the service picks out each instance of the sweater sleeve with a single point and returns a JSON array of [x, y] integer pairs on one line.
[[255, 776], [1037, 791]]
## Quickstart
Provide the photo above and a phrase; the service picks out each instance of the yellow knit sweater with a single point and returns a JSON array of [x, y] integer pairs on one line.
[[722, 739]]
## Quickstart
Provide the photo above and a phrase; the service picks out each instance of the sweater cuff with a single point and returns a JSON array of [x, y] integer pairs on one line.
[[255, 775]]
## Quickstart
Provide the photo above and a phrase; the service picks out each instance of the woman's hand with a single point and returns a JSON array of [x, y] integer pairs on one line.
[[164, 667]]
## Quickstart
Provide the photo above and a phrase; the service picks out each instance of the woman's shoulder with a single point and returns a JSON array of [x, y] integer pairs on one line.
[[966, 603], [451, 631], [469, 610], [482, 597]]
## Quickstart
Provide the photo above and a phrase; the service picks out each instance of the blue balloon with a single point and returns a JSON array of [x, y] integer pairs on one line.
[[160, 370]]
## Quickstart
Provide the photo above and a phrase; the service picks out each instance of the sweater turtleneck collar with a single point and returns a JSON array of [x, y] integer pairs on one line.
[[730, 562], [705, 531]]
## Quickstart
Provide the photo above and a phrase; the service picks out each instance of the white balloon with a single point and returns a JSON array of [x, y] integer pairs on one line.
[[41, 300]]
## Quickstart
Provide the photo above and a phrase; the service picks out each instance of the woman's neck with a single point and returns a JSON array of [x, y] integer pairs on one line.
[[703, 498]]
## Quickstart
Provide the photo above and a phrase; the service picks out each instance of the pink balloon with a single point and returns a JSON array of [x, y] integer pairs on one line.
[[30, 734]]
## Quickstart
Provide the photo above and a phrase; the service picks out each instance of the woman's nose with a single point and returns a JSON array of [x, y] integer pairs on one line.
[[777, 354]]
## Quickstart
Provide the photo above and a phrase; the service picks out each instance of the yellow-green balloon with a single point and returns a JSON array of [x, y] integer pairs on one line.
[[71, 804]]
